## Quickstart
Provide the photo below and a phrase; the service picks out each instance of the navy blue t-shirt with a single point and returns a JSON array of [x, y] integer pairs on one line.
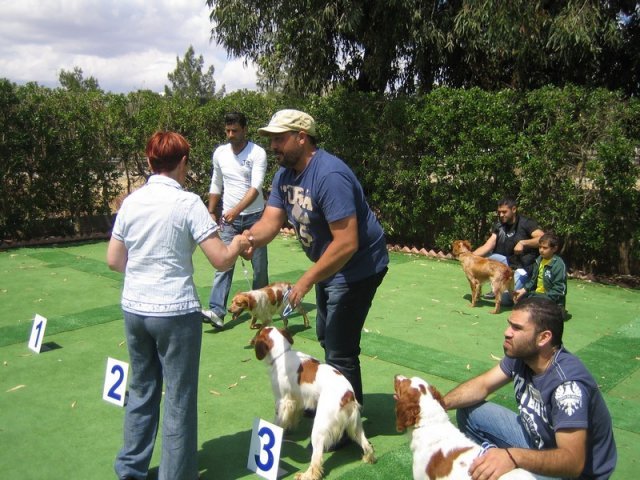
[[325, 192], [565, 396]]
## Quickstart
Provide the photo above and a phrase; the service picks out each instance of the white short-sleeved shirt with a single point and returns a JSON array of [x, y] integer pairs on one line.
[[234, 174], [161, 225]]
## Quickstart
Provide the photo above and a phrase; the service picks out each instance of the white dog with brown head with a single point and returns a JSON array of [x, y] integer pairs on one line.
[[263, 304], [300, 382], [439, 449]]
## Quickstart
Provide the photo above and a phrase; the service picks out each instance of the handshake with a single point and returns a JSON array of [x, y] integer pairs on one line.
[[245, 244]]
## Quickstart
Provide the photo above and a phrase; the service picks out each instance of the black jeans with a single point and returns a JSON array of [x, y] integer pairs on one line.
[[341, 312]]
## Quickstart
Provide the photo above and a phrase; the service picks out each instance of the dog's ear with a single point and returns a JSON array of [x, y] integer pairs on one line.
[[262, 344], [251, 302], [244, 301], [396, 383], [467, 244], [260, 348], [407, 404], [437, 396], [285, 333], [407, 413], [240, 301]]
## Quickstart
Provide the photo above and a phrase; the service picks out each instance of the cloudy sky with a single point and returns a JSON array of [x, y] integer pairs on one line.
[[126, 45]]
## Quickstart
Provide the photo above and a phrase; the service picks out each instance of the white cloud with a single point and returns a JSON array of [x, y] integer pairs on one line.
[[236, 74], [125, 44]]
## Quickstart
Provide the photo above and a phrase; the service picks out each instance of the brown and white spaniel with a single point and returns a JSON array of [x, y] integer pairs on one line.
[[300, 382], [263, 304], [440, 450]]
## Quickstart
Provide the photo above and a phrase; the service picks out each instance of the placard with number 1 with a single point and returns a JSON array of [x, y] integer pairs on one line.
[[37, 333]]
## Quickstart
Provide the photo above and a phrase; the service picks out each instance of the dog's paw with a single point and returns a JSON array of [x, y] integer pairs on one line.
[[310, 474], [369, 458]]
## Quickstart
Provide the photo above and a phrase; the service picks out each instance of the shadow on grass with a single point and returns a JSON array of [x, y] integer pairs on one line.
[[485, 302], [226, 456], [49, 346], [379, 415]]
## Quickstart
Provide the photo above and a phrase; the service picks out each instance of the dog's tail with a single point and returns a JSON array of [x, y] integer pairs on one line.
[[354, 420], [355, 431], [509, 278]]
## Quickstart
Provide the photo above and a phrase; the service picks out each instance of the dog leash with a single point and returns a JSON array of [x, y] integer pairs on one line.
[[246, 273], [288, 308]]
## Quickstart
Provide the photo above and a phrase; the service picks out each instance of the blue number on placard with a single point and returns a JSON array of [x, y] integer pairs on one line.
[[268, 465], [112, 393], [39, 328]]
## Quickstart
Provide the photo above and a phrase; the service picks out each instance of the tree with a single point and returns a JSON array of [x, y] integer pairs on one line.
[[315, 45], [188, 79], [412, 45], [74, 81], [529, 44]]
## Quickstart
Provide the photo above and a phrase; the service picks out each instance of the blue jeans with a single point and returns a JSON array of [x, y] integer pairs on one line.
[[222, 280], [162, 349], [520, 277], [489, 422], [340, 314]]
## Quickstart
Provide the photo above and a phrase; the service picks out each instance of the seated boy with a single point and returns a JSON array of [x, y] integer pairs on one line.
[[549, 276]]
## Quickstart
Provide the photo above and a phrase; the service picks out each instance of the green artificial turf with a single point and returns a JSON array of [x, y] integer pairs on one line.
[[55, 425]]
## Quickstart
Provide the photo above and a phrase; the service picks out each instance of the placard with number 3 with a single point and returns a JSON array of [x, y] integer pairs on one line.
[[264, 452]]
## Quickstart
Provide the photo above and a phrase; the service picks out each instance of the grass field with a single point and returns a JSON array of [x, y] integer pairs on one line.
[[55, 425]]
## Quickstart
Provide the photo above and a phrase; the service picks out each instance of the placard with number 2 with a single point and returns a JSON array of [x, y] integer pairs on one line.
[[115, 381]]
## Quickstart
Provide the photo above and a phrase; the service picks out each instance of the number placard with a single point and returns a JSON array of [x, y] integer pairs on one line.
[[264, 452], [37, 333], [115, 381]]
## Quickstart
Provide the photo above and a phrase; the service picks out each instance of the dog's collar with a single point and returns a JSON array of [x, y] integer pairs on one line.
[[278, 356]]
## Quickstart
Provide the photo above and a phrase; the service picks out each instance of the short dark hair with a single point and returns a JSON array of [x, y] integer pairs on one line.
[[165, 150], [508, 201], [232, 118], [550, 239], [545, 314]]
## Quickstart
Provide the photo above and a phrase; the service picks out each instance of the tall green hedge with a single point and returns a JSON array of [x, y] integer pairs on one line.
[[432, 166]]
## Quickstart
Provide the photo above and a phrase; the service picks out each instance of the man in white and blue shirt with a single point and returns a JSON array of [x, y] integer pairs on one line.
[[239, 168], [563, 428]]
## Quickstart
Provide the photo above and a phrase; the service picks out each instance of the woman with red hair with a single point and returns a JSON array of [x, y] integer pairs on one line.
[[154, 236]]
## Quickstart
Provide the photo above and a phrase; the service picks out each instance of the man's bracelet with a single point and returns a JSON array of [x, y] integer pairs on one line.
[[515, 464]]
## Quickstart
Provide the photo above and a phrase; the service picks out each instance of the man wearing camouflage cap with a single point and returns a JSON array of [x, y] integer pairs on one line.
[[324, 201]]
